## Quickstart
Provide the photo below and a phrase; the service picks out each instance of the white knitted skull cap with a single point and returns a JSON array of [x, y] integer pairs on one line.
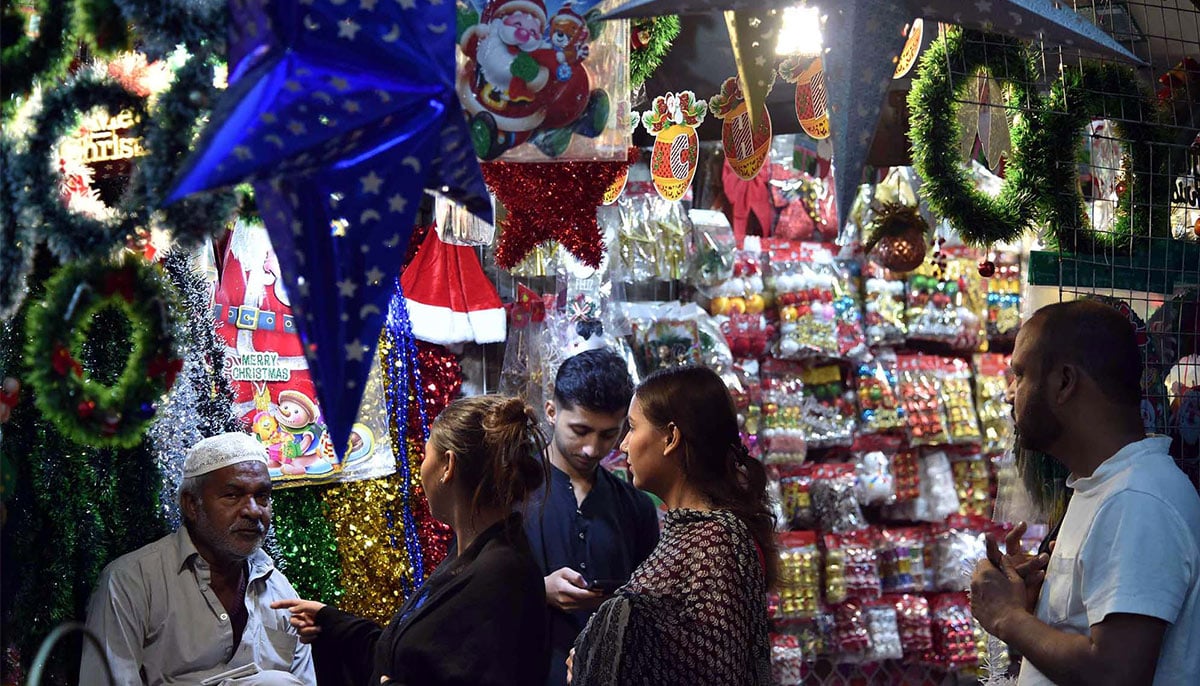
[[223, 450]]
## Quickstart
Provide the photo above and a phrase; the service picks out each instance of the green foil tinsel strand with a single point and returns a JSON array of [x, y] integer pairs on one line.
[[306, 545]]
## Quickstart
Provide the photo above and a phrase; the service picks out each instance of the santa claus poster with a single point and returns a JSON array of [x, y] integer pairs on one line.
[[541, 79], [275, 395]]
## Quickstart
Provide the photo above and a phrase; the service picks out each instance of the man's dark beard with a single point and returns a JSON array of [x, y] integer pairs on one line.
[[1045, 479]]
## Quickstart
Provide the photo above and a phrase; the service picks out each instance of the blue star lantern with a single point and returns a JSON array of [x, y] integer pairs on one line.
[[341, 112]]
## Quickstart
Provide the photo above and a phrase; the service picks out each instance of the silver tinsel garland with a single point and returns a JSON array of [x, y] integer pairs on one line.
[[201, 402]]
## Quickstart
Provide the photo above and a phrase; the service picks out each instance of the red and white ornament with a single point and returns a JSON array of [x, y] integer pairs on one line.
[[746, 145], [812, 101], [673, 121]]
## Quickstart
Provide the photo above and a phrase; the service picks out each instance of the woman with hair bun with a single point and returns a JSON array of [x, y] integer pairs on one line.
[[695, 612], [480, 618]]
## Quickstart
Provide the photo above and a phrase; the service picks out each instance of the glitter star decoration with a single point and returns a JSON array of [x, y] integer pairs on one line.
[[341, 114], [863, 39]]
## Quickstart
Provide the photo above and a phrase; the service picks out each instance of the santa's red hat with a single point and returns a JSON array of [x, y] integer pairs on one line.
[[503, 8], [449, 298], [567, 14]]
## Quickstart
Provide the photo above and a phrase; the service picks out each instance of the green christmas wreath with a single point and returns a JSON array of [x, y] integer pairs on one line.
[[650, 40], [69, 235], [57, 329], [1075, 99], [935, 132]]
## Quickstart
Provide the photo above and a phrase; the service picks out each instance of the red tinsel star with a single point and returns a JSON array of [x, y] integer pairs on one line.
[[551, 201]]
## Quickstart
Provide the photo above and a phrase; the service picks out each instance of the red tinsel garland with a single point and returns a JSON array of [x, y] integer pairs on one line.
[[551, 201], [441, 379]]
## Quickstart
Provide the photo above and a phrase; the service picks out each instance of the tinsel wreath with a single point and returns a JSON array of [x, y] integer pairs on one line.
[[97, 299], [551, 201], [70, 235], [16, 253], [90, 505], [201, 402], [25, 59], [934, 132], [169, 136], [161, 25], [650, 40], [1078, 97]]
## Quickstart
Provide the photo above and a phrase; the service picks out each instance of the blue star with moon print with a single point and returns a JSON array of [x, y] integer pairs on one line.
[[341, 113]]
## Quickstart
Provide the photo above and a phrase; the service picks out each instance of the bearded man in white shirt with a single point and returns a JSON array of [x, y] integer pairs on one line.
[[1120, 600], [194, 607]]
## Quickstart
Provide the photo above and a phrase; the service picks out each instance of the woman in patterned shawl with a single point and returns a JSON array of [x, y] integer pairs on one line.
[[695, 612]]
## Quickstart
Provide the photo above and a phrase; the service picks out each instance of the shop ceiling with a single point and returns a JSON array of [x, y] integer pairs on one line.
[[1162, 32]]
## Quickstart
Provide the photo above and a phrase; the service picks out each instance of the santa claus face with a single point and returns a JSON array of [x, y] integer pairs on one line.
[[293, 415], [520, 29]]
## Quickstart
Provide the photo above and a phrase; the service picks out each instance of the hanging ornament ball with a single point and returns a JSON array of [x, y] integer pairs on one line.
[[987, 269], [1196, 227], [898, 237], [1120, 187]]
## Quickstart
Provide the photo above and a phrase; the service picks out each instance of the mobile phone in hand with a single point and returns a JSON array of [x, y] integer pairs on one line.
[[605, 586]]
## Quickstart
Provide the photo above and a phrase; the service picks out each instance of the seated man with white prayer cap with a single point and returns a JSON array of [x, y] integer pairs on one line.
[[194, 607]]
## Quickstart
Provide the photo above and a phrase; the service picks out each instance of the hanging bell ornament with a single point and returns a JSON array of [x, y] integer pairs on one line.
[[987, 269]]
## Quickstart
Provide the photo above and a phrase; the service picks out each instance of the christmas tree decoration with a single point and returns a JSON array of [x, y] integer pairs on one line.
[[201, 403], [538, 72], [745, 142], [812, 99], [987, 269], [673, 121], [83, 407], [449, 298], [552, 201], [898, 237], [753, 36], [341, 118], [649, 40]]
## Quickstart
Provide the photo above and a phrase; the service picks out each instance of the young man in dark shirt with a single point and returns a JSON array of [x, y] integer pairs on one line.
[[592, 529]]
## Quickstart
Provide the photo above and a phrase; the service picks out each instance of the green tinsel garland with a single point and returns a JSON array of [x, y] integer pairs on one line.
[[101, 24], [81, 406], [28, 59], [1075, 100], [170, 133], [198, 25], [306, 543], [69, 235], [660, 32], [935, 132], [73, 508]]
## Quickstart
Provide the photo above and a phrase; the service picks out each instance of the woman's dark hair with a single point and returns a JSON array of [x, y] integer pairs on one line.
[[498, 447], [715, 460]]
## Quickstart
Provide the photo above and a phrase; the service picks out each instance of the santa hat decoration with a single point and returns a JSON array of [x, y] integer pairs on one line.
[[449, 298], [503, 8]]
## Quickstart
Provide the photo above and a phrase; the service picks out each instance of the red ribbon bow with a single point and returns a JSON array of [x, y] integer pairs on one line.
[[120, 281], [528, 308], [62, 362], [165, 367]]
